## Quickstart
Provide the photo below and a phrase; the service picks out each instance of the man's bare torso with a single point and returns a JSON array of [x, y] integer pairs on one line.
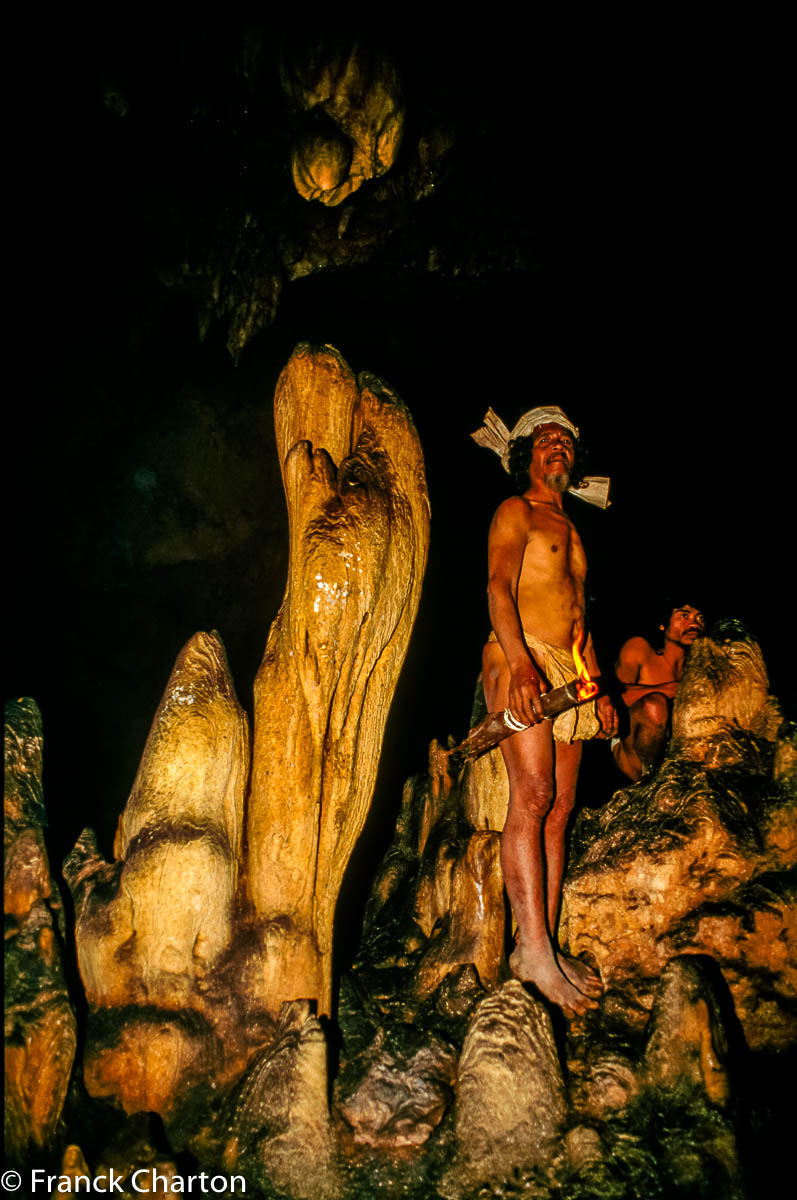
[[550, 589], [653, 672]]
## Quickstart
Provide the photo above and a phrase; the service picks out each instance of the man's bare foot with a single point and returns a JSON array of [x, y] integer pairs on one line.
[[580, 974], [627, 760], [543, 972]]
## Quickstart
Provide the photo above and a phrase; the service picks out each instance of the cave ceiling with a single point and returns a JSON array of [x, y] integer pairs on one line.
[[221, 131]]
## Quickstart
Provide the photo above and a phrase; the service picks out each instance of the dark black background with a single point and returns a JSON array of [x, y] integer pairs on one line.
[[638, 171]]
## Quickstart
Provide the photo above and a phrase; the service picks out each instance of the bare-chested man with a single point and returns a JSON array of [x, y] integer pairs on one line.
[[537, 569], [650, 680]]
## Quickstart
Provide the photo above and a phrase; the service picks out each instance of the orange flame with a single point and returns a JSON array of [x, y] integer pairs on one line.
[[586, 686]]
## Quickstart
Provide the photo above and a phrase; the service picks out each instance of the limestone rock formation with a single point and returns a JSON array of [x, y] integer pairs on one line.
[[277, 1119], [686, 1040], [461, 901], [359, 91], [437, 903], [135, 1146], [724, 695], [211, 919], [698, 858], [403, 1093], [40, 1026], [656, 1109], [359, 526], [153, 927], [510, 1096], [679, 891]]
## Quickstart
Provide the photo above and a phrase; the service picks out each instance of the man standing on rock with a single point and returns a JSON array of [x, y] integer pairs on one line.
[[650, 680], [537, 569]]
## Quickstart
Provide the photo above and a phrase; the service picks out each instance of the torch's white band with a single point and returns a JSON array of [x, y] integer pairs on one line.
[[512, 722]]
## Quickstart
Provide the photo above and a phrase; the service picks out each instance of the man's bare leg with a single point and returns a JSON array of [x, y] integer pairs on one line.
[[566, 764], [649, 718], [529, 758]]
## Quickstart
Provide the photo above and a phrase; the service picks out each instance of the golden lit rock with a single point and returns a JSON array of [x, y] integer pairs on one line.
[[40, 1026], [461, 909], [510, 1095], [359, 91], [320, 164], [698, 858], [359, 527], [724, 690], [153, 927], [74, 1167], [486, 791], [146, 1061], [686, 1040], [179, 845]]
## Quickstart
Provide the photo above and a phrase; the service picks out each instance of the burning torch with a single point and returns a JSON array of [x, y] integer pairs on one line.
[[499, 725]]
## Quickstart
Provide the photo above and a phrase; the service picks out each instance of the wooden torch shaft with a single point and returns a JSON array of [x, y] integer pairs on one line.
[[493, 729]]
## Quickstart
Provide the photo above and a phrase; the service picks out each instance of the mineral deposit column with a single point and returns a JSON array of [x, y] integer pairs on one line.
[[358, 508]]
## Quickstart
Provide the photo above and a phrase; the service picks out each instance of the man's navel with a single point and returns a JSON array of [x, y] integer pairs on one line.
[[554, 549]]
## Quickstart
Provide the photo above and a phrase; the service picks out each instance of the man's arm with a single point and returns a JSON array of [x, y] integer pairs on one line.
[[509, 534], [629, 667], [632, 654]]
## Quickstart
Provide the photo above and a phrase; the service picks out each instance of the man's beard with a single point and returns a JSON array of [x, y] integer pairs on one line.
[[558, 482]]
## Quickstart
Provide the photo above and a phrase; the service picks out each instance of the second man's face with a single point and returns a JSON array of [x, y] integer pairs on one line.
[[685, 625]]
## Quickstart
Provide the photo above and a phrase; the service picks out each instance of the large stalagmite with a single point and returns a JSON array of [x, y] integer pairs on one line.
[[153, 928], [359, 527]]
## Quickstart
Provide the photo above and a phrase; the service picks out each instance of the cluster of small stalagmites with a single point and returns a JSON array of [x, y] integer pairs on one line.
[[653, 1107], [40, 1027], [698, 857], [437, 903], [649, 1094], [495, 1104]]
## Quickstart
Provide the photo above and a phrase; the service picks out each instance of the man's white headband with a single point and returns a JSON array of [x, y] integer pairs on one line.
[[495, 436]]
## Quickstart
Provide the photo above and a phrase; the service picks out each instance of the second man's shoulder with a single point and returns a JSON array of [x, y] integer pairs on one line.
[[637, 649]]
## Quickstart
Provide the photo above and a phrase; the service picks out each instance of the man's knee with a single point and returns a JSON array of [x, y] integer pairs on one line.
[[654, 709], [531, 797]]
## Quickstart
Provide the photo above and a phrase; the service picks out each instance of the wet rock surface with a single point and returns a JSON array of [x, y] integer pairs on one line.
[[277, 1119], [508, 241], [40, 1022], [510, 1098], [699, 857], [403, 1095], [154, 928], [356, 491]]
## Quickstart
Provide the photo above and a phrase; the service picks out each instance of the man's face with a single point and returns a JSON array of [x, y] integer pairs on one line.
[[552, 456], [685, 624]]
